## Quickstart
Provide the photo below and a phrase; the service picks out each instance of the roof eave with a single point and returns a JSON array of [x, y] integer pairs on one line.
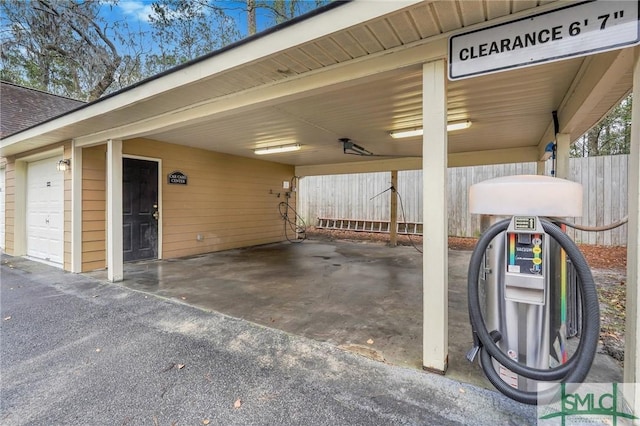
[[326, 20]]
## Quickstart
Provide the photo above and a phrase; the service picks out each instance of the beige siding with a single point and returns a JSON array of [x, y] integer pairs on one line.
[[94, 253], [231, 201]]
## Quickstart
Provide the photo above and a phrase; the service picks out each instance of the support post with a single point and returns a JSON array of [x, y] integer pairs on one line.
[[540, 166], [563, 141], [393, 225], [435, 344], [632, 328], [20, 209], [76, 208], [114, 211]]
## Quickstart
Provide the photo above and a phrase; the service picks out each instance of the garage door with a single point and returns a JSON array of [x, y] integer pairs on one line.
[[45, 211], [2, 204]]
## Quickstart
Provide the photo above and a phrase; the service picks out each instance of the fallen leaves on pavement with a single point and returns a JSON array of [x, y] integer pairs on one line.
[[172, 366], [613, 299]]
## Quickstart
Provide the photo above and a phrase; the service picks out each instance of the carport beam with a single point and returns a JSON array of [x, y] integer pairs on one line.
[[114, 211], [435, 248]]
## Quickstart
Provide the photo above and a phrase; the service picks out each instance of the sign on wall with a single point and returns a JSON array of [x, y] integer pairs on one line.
[[576, 30], [177, 178]]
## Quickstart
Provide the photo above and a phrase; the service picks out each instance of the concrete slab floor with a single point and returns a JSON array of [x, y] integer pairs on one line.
[[364, 297]]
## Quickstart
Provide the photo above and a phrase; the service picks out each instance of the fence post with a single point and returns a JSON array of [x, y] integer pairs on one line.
[[393, 225]]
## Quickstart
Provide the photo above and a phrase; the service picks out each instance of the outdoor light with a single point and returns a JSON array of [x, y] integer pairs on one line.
[[277, 149], [63, 165], [406, 133], [454, 125], [458, 125]]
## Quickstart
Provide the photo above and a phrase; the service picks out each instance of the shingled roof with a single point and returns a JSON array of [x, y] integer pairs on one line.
[[22, 107]]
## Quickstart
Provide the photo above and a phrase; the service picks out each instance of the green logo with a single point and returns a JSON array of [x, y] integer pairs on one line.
[[585, 406]]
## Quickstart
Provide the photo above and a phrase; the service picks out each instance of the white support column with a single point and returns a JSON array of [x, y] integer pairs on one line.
[[20, 212], [114, 211], [563, 141], [76, 208], [632, 330], [435, 344]]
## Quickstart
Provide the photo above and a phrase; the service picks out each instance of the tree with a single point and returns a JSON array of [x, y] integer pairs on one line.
[[186, 29], [611, 136], [251, 17], [69, 48], [282, 10], [61, 46], [279, 11]]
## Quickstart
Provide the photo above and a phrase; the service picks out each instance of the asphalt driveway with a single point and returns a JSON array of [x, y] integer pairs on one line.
[[76, 351]]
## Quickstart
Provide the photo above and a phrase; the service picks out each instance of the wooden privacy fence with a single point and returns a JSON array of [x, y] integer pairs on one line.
[[363, 196]]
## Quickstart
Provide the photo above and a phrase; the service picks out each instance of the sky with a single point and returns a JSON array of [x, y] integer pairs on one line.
[[135, 9], [137, 12]]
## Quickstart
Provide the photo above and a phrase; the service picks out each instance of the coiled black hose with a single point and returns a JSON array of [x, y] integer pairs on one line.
[[295, 225], [573, 371]]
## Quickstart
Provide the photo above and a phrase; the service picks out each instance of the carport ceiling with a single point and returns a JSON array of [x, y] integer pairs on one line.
[[508, 110], [353, 71]]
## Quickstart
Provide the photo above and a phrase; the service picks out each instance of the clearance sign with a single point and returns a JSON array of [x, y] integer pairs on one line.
[[576, 30]]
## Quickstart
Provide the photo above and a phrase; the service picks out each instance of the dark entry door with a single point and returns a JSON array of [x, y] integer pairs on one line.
[[140, 209]]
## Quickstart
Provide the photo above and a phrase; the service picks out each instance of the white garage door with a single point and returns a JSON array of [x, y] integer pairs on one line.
[[45, 211], [2, 204]]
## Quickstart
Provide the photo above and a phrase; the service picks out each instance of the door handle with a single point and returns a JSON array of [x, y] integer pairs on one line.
[[156, 215]]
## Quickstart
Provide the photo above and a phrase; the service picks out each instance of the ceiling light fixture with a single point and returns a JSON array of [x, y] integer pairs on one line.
[[406, 133], [458, 125], [454, 125], [277, 149]]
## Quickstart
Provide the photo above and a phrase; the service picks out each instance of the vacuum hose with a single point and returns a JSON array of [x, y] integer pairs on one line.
[[573, 371], [593, 228]]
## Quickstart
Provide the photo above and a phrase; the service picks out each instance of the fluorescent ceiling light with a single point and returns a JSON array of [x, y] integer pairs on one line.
[[406, 133], [277, 149], [455, 125], [458, 125]]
